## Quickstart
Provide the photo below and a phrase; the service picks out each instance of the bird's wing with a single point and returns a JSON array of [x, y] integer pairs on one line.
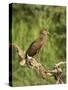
[[34, 48]]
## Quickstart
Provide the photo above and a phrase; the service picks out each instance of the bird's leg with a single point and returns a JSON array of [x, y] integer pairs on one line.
[[28, 60]]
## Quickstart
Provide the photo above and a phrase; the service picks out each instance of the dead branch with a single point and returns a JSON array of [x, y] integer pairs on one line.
[[20, 53], [56, 72], [59, 64]]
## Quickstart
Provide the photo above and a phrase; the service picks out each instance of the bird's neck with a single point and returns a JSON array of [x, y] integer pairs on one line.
[[43, 39]]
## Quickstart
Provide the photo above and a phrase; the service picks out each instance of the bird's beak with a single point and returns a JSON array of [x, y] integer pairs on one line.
[[49, 34]]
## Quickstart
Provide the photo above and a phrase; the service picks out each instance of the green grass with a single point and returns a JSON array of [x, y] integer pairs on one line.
[[23, 33]]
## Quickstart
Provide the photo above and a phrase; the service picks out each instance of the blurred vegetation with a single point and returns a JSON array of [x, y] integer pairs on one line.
[[27, 21]]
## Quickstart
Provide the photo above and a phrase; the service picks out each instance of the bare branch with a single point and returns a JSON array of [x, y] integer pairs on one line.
[[56, 72], [60, 63]]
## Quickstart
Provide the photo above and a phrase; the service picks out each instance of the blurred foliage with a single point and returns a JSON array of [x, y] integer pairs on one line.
[[27, 21]]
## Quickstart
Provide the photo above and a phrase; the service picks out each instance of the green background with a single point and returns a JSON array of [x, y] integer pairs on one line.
[[27, 21]]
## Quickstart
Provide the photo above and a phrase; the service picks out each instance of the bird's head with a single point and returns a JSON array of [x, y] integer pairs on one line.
[[44, 32]]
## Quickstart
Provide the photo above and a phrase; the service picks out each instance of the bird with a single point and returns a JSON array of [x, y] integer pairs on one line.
[[37, 44]]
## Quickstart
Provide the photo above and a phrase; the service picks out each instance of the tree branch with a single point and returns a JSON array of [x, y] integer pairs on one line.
[[56, 72]]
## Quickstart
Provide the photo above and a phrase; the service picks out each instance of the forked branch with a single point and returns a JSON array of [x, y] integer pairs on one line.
[[56, 72]]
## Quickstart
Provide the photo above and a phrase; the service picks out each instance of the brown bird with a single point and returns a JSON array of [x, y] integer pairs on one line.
[[37, 44]]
